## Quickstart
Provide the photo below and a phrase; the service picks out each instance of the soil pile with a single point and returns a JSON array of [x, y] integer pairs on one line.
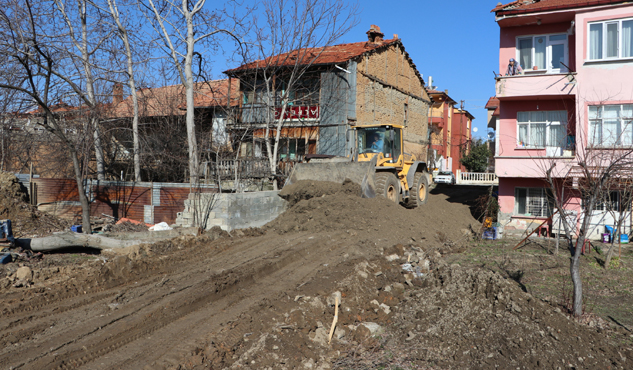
[[304, 190], [26, 220], [326, 206], [445, 318]]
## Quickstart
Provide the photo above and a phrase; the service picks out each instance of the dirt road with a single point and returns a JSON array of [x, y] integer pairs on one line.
[[264, 299]]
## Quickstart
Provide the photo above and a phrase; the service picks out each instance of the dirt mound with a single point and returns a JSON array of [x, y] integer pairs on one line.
[[325, 206], [26, 220], [304, 190], [448, 318]]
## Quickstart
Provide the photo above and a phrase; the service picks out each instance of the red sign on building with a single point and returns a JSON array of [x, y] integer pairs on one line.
[[292, 112]]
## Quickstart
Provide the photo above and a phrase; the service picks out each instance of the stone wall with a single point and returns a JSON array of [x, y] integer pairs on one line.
[[387, 83], [231, 211]]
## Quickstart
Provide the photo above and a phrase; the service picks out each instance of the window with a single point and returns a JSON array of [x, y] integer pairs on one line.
[[544, 53], [611, 125], [532, 202], [610, 40], [542, 129], [406, 113]]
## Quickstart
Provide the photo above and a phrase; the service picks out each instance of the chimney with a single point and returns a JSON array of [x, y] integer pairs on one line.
[[117, 93], [395, 36], [374, 35]]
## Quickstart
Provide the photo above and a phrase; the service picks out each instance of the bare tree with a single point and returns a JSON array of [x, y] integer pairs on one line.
[[289, 41], [181, 26], [122, 32], [600, 166], [31, 61], [80, 29]]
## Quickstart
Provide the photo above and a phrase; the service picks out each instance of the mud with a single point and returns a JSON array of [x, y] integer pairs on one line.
[[264, 299]]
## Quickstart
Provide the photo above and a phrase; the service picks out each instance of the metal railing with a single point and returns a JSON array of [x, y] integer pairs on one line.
[[225, 169]]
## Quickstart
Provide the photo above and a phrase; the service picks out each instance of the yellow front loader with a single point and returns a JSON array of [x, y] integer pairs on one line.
[[378, 163]]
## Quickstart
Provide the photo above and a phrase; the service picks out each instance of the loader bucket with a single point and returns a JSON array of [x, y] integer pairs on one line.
[[337, 170]]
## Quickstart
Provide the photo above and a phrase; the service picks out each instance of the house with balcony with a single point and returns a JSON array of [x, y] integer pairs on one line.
[[572, 102], [440, 116], [310, 98]]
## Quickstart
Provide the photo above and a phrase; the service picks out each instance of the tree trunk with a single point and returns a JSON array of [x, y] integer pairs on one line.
[[191, 125], [83, 200], [99, 158], [132, 83], [574, 269]]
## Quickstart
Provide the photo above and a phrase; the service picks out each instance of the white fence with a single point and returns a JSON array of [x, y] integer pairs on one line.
[[476, 178]]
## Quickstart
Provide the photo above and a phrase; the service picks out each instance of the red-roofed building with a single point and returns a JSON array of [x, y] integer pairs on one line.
[[162, 113], [341, 86], [570, 103], [449, 132]]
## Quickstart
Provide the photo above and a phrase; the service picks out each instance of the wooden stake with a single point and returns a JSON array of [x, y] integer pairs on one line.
[[334, 321]]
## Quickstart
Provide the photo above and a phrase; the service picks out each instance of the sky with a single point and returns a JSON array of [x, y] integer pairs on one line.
[[454, 41]]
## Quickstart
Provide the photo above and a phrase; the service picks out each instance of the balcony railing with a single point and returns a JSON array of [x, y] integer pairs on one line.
[[260, 113], [477, 178], [536, 85], [225, 169]]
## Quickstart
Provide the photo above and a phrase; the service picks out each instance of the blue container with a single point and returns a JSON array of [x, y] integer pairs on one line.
[[5, 258], [76, 228], [609, 229], [5, 230], [490, 233]]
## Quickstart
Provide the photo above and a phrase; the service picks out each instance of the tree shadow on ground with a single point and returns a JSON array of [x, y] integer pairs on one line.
[[463, 194]]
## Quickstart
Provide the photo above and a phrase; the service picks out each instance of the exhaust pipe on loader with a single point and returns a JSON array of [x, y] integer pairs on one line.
[[338, 169]]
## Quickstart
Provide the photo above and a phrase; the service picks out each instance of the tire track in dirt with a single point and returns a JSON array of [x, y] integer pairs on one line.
[[96, 338]]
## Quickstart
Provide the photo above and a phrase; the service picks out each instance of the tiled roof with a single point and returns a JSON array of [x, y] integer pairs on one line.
[[317, 56], [529, 6], [493, 102], [437, 92], [170, 100]]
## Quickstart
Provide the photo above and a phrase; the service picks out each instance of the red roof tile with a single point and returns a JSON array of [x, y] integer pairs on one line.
[[529, 6], [317, 56], [493, 102], [170, 100], [437, 92]]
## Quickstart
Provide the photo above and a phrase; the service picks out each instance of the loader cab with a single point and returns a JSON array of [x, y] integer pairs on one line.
[[379, 139]]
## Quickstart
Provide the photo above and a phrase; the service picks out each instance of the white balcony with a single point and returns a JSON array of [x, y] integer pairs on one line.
[[536, 85]]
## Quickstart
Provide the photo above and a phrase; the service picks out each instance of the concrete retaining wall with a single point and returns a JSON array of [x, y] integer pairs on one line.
[[231, 211]]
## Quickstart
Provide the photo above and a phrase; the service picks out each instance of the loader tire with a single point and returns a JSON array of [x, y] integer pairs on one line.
[[419, 191], [388, 186]]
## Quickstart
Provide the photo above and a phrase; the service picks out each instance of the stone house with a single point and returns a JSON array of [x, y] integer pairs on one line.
[[341, 86]]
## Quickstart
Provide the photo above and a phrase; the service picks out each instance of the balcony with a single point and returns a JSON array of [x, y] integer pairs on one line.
[[536, 85]]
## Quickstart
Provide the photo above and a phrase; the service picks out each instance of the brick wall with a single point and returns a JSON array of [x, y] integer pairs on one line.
[[386, 81]]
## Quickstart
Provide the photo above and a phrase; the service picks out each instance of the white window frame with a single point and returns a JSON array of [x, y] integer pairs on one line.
[[625, 124], [549, 123], [548, 53], [604, 57], [535, 200]]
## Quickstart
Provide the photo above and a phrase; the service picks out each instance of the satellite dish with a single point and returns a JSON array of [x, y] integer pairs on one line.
[[475, 129], [491, 135]]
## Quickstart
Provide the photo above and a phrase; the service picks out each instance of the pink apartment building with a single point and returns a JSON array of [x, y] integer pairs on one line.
[[575, 95]]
